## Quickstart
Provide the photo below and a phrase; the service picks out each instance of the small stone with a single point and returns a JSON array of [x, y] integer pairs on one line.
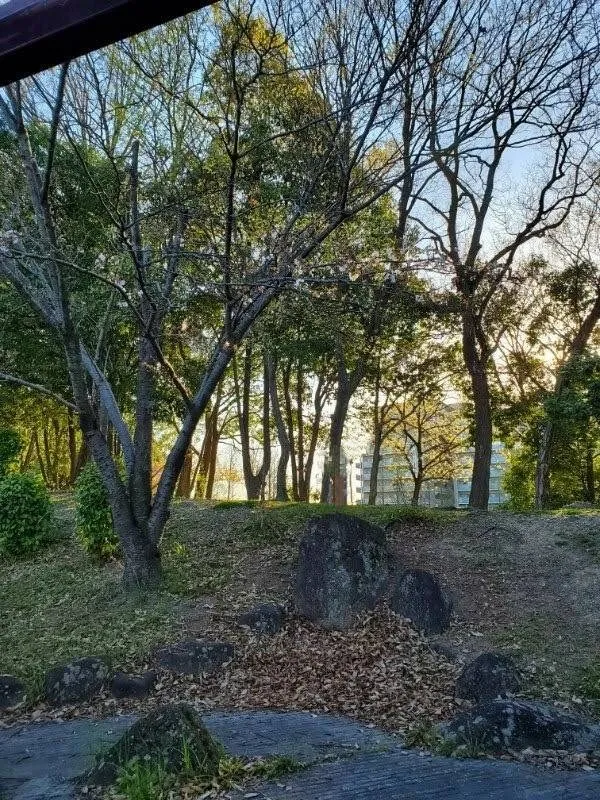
[[12, 691], [419, 597], [78, 680], [264, 618], [194, 656], [489, 676], [124, 685]]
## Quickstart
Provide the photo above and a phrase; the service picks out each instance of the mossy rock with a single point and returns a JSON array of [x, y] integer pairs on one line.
[[343, 569], [173, 736]]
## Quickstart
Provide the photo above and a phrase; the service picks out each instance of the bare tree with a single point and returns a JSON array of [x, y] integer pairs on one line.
[[511, 80], [432, 438]]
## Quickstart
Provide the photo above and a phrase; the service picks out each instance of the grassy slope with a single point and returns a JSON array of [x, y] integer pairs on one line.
[[59, 605]]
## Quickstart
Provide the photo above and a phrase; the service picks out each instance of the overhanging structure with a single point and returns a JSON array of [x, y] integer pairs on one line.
[[38, 34]]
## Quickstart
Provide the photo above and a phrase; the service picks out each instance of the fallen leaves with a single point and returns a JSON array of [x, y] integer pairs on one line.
[[381, 671]]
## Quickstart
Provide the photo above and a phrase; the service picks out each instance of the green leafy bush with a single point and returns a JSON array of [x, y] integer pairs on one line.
[[11, 445], [26, 518], [93, 515], [519, 479]]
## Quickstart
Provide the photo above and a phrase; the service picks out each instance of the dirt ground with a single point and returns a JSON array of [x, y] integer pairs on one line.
[[529, 584], [526, 583]]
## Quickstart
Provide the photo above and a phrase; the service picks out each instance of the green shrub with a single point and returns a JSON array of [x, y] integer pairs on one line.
[[26, 518], [223, 505], [519, 479], [93, 515], [11, 445]]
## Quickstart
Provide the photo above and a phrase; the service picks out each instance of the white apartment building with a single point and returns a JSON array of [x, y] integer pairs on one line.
[[395, 485]]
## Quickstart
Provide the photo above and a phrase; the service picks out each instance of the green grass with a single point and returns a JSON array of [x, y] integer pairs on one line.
[[141, 780], [531, 635], [149, 780], [587, 683], [59, 605], [587, 541], [426, 736], [234, 771], [570, 512]]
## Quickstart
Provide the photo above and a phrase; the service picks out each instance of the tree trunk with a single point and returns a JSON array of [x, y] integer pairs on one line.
[[416, 495], [212, 460], [184, 484], [281, 492], [590, 477], [142, 566], [38, 453], [476, 364], [377, 437], [375, 465], [578, 345], [289, 416], [319, 402], [254, 481], [72, 438], [542, 473], [338, 420], [26, 461], [140, 481], [302, 490], [51, 477]]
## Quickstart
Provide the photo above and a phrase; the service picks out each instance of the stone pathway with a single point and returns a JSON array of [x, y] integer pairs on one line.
[[38, 761]]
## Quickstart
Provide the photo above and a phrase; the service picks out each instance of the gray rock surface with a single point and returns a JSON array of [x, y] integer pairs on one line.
[[405, 775], [487, 677], [343, 569], [37, 761], [75, 681], [264, 618], [517, 724], [12, 691], [194, 656], [419, 597]]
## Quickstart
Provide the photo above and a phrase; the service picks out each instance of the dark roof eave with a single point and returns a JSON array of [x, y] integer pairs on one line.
[[38, 34]]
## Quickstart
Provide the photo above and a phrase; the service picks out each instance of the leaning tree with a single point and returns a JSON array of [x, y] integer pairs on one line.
[[168, 112]]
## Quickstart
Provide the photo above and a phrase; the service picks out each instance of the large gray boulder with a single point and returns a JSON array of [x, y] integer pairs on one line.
[[194, 656], [419, 597], [489, 676], [173, 736], [75, 681], [497, 725], [343, 569]]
